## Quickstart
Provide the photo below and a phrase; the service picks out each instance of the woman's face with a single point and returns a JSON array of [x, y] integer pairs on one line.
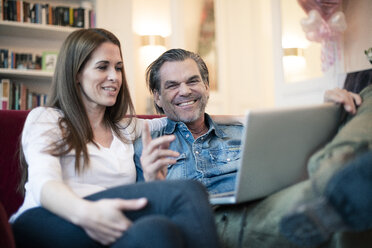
[[101, 77]]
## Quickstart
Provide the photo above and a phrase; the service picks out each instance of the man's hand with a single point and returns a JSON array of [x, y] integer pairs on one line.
[[348, 99], [104, 220], [156, 156]]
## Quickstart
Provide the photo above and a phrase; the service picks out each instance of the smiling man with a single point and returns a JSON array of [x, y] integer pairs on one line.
[[209, 152]]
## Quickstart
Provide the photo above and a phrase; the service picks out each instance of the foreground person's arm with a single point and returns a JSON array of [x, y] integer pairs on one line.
[[349, 99]]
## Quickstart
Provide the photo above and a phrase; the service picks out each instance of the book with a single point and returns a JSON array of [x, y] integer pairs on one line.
[[16, 88], [1, 95], [23, 97], [5, 83], [1, 14], [4, 58], [79, 17], [49, 61]]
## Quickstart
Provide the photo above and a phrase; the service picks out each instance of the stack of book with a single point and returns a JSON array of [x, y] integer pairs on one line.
[[19, 60], [44, 13], [17, 96]]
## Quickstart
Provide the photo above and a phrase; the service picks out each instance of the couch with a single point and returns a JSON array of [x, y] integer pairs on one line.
[[257, 221]]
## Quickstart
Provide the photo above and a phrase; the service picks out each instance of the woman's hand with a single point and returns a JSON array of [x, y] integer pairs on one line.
[[348, 99], [156, 156], [104, 220]]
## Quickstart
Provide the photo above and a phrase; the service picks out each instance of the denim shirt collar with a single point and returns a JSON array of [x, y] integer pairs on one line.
[[213, 127]]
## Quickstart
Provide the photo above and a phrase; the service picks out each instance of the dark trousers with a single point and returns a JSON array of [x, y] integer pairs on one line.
[[177, 215], [350, 192]]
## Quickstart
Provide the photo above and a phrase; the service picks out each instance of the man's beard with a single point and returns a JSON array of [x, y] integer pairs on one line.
[[198, 114]]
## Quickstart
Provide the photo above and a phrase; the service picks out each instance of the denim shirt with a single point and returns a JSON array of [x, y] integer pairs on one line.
[[211, 159]]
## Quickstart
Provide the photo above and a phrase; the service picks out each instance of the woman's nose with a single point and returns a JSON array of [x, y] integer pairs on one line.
[[113, 74]]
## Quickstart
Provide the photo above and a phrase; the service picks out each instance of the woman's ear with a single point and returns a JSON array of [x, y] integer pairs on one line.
[[78, 77]]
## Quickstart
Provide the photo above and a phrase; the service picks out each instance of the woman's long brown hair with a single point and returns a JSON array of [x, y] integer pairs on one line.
[[66, 96]]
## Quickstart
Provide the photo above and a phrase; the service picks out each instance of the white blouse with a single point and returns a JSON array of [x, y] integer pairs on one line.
[[108, 167]]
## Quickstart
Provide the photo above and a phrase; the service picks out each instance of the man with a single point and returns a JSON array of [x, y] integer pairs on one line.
[[179, 82], [209, 152]]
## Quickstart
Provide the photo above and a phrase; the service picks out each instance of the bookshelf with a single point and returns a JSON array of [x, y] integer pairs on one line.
[[36, 38], [34, 30]]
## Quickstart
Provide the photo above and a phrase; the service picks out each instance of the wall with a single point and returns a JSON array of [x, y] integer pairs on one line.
[[249, 51], [116, 16], [244, 35], [358, 36]]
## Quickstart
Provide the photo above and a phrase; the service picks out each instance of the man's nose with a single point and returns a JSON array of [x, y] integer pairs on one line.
[[184, 89]]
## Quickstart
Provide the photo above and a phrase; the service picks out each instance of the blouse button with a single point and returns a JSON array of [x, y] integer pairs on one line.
[[228, 159]]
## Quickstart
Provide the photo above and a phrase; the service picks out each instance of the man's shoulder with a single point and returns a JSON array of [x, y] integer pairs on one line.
[[231, 130]]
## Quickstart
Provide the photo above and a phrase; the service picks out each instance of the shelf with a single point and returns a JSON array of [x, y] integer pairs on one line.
[[26, 74], [35, 30]]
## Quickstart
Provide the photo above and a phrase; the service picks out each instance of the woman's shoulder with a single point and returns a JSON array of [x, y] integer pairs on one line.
[[44, 114]]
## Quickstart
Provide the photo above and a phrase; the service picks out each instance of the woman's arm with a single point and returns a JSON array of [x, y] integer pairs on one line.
[[155, 124]]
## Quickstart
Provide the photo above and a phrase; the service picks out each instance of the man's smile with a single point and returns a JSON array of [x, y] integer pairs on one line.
[[185, 103]]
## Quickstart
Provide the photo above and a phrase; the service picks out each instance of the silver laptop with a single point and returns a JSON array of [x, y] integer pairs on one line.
[[276, 146]]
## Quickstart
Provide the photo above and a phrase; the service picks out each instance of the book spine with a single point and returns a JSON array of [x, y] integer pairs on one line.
[[43, 17], [6, 93], [23, 97], [16, 96], [4, 58], [1, 10], [5, 9]]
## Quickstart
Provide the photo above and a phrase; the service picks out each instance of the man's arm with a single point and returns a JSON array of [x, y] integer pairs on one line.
[[156, 156]]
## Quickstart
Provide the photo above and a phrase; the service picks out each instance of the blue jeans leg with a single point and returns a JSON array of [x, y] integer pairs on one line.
[[180, 206]]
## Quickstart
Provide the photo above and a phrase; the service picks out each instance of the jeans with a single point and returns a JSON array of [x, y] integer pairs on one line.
[[177, 215]]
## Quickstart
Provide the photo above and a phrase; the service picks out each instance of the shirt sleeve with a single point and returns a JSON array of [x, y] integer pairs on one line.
[[40, 131], [155, 124]]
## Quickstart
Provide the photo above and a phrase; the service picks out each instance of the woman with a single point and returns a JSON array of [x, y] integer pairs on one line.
[[79, 152]]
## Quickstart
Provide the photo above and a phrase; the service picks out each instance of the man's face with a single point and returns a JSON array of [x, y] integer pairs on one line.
[[183, 95]]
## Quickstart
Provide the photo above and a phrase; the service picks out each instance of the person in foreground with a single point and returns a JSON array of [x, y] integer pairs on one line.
[[209, 152], [341, 182], [345, 205], [80, 173]]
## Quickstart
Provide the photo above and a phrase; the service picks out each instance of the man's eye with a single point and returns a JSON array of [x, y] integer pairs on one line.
[[194, 81], [171, 86]]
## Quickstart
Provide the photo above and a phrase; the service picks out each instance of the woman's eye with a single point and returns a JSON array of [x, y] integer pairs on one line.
[[119, 68], [102, 67]]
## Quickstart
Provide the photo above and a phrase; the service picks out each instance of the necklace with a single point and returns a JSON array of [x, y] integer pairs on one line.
[[199, 133]]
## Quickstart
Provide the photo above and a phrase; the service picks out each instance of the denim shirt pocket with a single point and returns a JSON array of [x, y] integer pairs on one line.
[[180, 160], [177, 170], [225, 159]]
